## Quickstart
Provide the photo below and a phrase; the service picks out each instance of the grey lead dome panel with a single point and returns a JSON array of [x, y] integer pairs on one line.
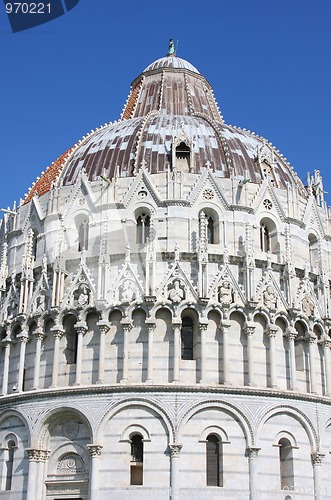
[[171, 62]]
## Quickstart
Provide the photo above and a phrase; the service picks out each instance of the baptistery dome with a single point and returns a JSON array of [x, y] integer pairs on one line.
[[165, 312]]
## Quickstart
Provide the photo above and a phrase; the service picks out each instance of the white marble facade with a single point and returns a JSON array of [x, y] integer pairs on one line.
[[172, 305]]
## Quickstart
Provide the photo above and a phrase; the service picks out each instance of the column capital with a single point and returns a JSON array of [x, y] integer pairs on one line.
[[104, 326], [326, 343], [23, 338], [57, 331], [176, 324], [271, 330], [316, 458], [203, 325], [175, 449], [35, 455], [225, 324], [39, 334], [81, 327], [252, 452], [311, 339], [291, 333], [7, 341], [126, 324], [94, 449], [249, 327], [151, 325]]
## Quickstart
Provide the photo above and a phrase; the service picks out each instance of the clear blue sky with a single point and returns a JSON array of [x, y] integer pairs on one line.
[[267, 60]]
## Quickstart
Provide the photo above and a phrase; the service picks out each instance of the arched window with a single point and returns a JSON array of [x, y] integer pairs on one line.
[[136, 460], [210, 230], [183, 157], [286, 464], [187, 338], [268, 236], [143, 228], [214, 461], [71, 339], [34, 243], [264, 238], [313, 251], [83, 236], [9, 462]]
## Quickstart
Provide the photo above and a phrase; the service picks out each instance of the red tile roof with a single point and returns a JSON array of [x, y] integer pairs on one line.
[[43, 185]]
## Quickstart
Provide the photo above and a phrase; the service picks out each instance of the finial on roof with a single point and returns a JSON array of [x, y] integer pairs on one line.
[[171, 49]]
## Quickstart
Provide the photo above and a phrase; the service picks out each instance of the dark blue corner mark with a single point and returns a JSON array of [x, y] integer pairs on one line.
[[25, 15]]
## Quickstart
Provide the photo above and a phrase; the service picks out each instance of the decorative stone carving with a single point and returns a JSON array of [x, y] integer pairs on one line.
[[71, 463], [81, 295], [208, 194], [270, 298], [95, 450], [70, 429], [225, 293], [176, 294], [175, 449], [127, 291], [308, 306]]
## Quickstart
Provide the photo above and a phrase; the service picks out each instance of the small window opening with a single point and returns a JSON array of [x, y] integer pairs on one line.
[[71, 340], [187, 338], [83, 236], [34, 244], [286, 464], [183, 157], [264, 238], [10, 465], [143, 228], [214, 461], [313, 251], [137, 459], [210, 230]]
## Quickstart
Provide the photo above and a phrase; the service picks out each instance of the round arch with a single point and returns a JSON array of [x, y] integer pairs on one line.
[[116, 408], [40, 431], [298, 415], [230, 409]]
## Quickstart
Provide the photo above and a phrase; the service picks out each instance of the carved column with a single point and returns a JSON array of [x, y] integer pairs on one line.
[[252, 453], [126, 330], [7, 342], [225, 326], [35, 474], [316, 460], [174, 470], [312, 373], [151, 328], [326, 346], [272, 332], [176, 328], [95, 452], [291, 335], [249, 330], [39, 338], [81, 329], [23, 341], [58, 334], [203, 371], [104, 327]]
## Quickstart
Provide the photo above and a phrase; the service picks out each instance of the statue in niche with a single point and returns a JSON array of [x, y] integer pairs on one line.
[[12, 308], [128, 291], [270, 298], [225, 293], [308, 306], [176, 294], [41, 303], [81, 296]]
